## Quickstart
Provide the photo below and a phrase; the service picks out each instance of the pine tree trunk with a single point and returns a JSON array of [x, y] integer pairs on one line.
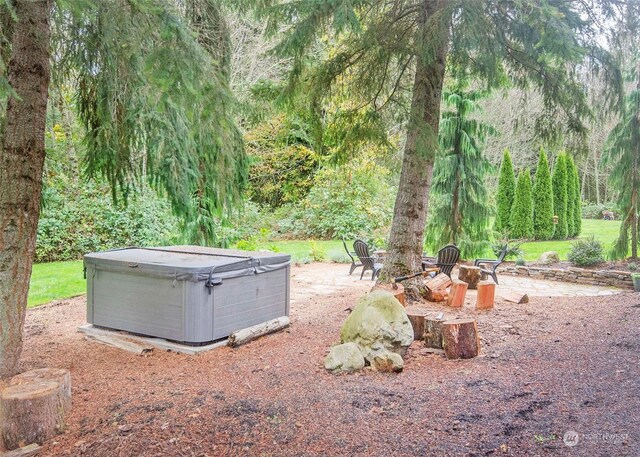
[[21, 163], [407, 229]]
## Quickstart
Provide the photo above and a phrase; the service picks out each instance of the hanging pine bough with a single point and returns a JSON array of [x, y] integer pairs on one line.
[[154, 98]]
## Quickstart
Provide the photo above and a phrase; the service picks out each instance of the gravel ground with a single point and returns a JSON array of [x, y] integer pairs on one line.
[[547, 367]]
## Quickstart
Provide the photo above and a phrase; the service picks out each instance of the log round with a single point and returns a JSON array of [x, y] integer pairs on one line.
[[31, 412], [417, 316], [396, 289], [460, 338], [486, 295], [59, 375], [433, 332], [470, 275], [457, 293]]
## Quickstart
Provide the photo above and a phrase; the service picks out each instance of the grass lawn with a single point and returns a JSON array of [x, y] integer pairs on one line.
[[55, 281], [58, 280], [604, 231]]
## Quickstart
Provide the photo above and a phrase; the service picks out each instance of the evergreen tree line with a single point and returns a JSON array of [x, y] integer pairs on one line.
[[547, 208]]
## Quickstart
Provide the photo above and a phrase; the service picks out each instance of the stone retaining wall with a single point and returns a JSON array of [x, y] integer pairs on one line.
[[613, 278]]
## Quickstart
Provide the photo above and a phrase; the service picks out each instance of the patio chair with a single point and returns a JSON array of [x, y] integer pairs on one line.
[[489, 266], [447, 258], [354, 265], [368, 263]]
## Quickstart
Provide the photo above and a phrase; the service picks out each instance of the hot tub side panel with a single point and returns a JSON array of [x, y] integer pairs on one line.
[[137, 303], [249, 300]]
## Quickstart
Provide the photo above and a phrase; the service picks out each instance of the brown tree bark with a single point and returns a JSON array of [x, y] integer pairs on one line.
[[407, 230], [21, 162]]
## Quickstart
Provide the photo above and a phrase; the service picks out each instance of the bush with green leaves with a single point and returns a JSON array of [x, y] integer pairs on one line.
[[344, 202], [522, 210], [586, 252], [76, 221], [513, 248], [506, 192], [543, 200], [594, 211], [574, 214]]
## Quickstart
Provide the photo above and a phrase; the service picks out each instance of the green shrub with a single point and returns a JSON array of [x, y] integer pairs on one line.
[[586, 252], [594, 211], [337, 257], [573, 183], [249, 244], [343, 203], [632, 266], [522, 210], [316, 252], [506, 192], [76, 221], [513, 249], [520, 262]]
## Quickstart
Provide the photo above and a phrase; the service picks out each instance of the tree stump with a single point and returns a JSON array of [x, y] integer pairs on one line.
[[59, 375], [460, 338], [486, 295], [433, 332], [397, 292], [457, 293], [31, 412], [470, 275], [417, 316]]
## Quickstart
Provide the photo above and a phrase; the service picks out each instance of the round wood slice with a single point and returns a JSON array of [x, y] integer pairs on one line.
[[417, 316], [31, 413]]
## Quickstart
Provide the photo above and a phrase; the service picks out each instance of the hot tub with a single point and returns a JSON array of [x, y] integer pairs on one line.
[[189, 294]]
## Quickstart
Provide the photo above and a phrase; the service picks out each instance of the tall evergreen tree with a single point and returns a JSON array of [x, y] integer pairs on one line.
[[574, 210], [461, 212], [153, 96], [522, 210], [542, 200], [559, 182], [506, 192], [385, 46], [577, 209], [571, 195]]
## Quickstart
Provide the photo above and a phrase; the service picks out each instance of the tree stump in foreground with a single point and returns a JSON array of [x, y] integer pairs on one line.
[[433, 332], [457, 293], [417, 317], [31, 412], [59, 375], [486, 295], [470, 275], [460, 338]]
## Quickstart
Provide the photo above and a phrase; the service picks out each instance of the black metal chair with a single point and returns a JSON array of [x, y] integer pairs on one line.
[[447, 258], [368, 262], [354, 265], [489, 266]]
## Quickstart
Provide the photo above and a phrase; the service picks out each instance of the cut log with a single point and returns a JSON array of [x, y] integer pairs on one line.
[[397, 291], [59, 375], [433, 332], [27, 451], [460, 338], [470, 275], [118, 341], [486, 295], [438, 282], [417, 316], [515, 297], [457, 293], [243, 336], [31, 412]]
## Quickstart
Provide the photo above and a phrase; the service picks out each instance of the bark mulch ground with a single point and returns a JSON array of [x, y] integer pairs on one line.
[[547, 367]]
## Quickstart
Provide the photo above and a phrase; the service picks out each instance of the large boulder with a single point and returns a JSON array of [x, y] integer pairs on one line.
[[377, 324], [549, 257], [344, 357]]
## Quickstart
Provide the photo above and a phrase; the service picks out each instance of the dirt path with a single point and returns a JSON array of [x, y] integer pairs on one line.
[[551, 366]]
